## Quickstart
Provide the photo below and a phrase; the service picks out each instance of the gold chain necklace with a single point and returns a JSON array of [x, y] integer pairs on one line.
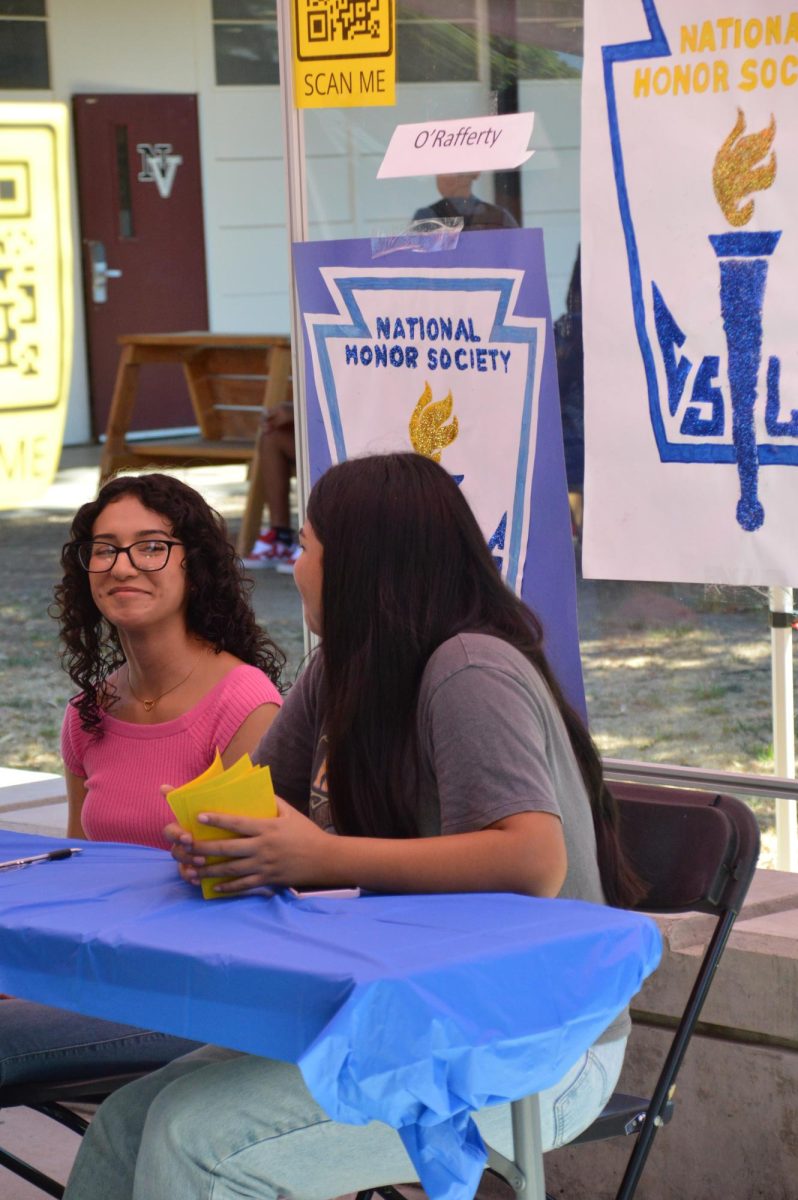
[[149, 705]]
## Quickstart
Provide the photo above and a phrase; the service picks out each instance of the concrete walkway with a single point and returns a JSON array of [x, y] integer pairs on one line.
[[40, 1141]]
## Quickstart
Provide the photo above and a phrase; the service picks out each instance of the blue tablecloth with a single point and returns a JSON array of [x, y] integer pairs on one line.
[[414, 1010]]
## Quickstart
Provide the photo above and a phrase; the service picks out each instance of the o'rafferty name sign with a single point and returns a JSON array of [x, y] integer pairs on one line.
[[466, 144]]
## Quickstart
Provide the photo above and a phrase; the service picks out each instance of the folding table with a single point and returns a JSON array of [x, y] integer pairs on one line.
[[413, 1010]]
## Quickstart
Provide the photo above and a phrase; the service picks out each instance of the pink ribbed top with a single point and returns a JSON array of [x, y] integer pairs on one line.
[[125, 768]]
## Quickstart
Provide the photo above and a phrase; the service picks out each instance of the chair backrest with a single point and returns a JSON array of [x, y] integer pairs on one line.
[[696, 851]]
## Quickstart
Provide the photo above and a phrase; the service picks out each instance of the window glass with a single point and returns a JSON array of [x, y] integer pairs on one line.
[[471, 58], [23, 54], [437, 41], [245, 42], [435, 52], [126, 226], [246, 54], [22, 8], [244, 10], [553, 26]]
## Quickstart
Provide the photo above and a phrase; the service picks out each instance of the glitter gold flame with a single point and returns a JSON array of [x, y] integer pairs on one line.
[[735, 173], [429, 433]]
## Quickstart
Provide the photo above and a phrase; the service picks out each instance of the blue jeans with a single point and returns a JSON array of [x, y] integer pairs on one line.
[[38, 1042], [218, 1125]]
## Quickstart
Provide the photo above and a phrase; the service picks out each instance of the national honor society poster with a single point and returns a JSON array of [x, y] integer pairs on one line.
[[690, 261], [449, 353]]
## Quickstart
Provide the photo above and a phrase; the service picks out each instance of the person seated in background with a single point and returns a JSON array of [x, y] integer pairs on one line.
[[427, 747], [458, 200], [570, 373], [277, 544], [160, 638]]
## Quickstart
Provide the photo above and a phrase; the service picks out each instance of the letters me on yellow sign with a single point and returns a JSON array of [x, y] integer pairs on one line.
[[35, 296], [344, 53]]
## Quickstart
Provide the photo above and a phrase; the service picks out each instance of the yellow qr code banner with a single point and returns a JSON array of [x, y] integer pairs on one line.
[[36, 307], [344, 53]]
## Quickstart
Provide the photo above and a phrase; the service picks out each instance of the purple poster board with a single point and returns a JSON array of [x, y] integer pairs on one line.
[[450, 352]]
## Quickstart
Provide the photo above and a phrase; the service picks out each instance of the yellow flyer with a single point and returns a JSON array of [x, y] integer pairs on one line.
[[241, 790]]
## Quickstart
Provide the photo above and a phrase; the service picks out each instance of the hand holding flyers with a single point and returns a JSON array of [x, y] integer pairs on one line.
[[242, 790]]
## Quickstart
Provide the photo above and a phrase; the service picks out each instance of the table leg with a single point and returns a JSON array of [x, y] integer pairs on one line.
[[524, 1172], [529, 1146], [278, 390], [253, 507], [115, 453], [195, 370]]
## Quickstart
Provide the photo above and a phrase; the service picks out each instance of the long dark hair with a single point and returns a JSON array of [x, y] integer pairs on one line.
[[218, 608], [405, 568]]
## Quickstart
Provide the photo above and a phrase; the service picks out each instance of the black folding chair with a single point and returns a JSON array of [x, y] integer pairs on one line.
[[697, 852], [52, 1098]]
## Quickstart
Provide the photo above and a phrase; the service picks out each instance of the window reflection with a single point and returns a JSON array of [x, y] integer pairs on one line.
[[245, 42], [22, 8], [553, 26], [437, 42], [246, 54], [458, 201]]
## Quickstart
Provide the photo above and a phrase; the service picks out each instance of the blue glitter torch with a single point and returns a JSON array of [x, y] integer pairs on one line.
[[743, 274]]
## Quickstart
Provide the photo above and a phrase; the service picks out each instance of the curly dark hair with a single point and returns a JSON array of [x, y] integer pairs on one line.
[[218, 610]]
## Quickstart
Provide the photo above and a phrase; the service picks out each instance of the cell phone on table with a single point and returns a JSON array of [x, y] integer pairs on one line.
[[350, 893]]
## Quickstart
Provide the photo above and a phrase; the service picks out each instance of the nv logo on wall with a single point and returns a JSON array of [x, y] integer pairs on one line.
[[159, 166], [701, 125]]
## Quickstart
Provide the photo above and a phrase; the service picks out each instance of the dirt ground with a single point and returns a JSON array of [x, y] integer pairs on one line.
[[675, 674]]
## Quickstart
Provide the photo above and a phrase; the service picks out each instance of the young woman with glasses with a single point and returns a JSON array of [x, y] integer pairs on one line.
[[160, 638], [426, 748]]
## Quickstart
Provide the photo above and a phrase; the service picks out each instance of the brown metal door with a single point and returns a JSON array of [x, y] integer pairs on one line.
[[142, 241]]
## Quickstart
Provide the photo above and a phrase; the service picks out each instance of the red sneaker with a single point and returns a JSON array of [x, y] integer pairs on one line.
[[267, 551], [287, 560]]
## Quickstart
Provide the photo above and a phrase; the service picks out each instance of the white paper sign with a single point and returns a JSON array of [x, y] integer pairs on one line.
[[690, 255], [451, 147]]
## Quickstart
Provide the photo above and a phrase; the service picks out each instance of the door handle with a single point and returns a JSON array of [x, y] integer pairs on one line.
[[100, 272]]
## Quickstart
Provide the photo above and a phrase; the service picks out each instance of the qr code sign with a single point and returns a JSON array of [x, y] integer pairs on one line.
[[31, 270], [19, 349], [344, 28]]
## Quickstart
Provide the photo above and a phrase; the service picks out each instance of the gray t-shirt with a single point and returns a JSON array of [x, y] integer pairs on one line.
[[491, 741]]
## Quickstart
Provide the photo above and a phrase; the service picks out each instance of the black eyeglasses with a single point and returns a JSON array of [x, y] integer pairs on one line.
[[150, 555]]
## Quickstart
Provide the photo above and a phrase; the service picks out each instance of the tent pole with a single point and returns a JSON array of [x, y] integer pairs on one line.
[[781, 635], [293, 127]]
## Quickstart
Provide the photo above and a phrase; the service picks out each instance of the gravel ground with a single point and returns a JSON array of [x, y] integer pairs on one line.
[[677, 674]]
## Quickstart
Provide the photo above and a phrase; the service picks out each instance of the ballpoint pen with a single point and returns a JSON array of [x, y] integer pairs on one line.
[[51, 856]]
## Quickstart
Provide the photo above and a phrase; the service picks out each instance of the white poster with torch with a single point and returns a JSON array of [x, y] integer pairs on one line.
[[689, 263]]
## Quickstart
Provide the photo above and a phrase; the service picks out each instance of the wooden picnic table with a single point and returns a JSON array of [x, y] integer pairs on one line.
[[232, 380]]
